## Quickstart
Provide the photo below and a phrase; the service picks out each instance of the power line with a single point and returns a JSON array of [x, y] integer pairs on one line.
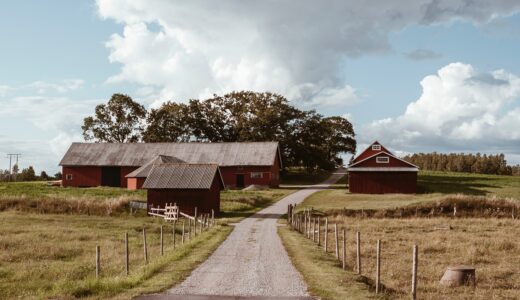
[[10, 156]]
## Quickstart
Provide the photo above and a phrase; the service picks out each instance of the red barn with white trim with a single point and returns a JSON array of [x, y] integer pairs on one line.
[[378, 171]]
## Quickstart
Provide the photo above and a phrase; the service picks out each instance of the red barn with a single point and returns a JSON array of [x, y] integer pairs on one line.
[[377, 171], [188, 185], [108, 164]]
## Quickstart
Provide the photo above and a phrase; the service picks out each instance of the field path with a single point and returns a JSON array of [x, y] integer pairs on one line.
[[252, 260]]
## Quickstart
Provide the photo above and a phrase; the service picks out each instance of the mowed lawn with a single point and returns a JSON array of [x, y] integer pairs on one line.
[[432, 186], [50, 255]]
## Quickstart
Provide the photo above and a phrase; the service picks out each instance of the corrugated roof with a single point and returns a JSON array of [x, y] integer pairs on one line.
[[182, 176], [145, 170], [138, 154]]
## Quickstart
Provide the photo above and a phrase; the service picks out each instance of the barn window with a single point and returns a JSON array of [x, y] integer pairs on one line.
[[256, 175], [68, 176], [382, 159], [376, 147]]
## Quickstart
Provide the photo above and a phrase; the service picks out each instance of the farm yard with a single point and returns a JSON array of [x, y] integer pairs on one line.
[[487, 241], [49, 235]]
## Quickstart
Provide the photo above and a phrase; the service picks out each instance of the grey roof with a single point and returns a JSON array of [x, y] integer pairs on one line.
[[182, 176], [138, 154], [146, 168]]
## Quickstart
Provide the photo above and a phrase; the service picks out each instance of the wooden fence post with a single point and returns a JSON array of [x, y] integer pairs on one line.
[[212, 217], [358, 252], [174, 239], [326, 236], [414, 273], [97, 261], [454, 210], [344, 265], [182, 237], [336, 239], [189, 229], [378, 266], [145, 249], [195, 223], [127, 261], [314, 229], [162, 244], [319, 229]]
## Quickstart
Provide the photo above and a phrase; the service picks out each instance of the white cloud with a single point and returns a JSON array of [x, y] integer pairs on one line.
[[460, 109], [190, 49], [45, 125]]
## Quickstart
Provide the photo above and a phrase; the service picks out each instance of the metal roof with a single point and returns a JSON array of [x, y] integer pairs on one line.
[[138, 154], [182, 176], [145, 170]]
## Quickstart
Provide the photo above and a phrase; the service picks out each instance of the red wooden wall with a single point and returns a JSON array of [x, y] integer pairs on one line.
[[187, 200], [382, 182]]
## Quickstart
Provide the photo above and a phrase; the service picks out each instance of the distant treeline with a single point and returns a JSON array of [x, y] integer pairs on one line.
[[27, 174], [461, 162]]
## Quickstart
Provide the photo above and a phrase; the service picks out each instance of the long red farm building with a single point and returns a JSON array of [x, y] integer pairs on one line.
[[378, 171], [108, 164]]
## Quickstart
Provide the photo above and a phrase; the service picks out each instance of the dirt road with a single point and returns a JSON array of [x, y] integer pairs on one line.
[[252, 260]]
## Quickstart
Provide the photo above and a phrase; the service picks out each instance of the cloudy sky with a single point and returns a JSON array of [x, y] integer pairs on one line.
[[417, 75]]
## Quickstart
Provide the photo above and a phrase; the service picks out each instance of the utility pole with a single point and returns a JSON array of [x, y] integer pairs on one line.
[[10, 156]]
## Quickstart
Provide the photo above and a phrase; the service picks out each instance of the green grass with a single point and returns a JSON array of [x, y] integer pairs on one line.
[[321, 271], [40, 189], [432, 186], [52, 255], [299, 176], [236, 205]]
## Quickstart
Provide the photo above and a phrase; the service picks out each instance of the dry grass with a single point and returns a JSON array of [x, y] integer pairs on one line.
[[488, 244], [48, 256]]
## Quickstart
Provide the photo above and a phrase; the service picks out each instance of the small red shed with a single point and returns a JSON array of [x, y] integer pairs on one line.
[[377, 171], [188, 185]]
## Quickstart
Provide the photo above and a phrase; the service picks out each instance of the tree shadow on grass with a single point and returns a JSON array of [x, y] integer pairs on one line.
[[449, 184]]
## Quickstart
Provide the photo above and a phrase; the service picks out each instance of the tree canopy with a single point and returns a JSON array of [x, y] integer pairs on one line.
[[118, 121], [306, 138]]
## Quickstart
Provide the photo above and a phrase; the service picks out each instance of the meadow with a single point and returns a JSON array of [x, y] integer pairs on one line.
[[49, 236], [486, 241], [432, 187]]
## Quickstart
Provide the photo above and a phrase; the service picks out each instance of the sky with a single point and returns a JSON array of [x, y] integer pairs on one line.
[[417, 75]]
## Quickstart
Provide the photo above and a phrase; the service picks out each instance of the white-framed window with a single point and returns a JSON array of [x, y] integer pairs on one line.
[[256, 175], [382, 159], [68, 176], [376, 147]]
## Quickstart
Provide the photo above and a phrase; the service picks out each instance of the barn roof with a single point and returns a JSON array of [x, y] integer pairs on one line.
[[182, 176], [366, 164], [138, 154], [369, 151], [146, 168]]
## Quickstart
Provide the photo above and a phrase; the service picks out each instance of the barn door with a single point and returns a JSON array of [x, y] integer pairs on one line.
[[111, 176], [240, 180]]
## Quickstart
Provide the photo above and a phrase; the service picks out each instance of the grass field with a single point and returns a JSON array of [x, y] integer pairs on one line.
[[433, 186], [321, 271], [52, 255], [299, 176], [487, 244]]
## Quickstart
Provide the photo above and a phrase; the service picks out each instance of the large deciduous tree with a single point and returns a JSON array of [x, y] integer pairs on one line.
[[168, 123], [118, 121]]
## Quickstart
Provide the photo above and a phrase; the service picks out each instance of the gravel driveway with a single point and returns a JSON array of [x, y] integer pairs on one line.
[[252, 260]]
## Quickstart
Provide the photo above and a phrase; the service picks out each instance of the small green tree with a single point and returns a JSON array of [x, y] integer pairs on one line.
[[28, 174], [118, 121], [57, 176], [44, 176]]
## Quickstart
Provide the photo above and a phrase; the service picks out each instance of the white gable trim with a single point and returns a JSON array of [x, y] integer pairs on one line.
[[383, 152]]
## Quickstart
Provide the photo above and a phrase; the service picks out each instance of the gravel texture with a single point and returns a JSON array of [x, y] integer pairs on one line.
[[252, 260]]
